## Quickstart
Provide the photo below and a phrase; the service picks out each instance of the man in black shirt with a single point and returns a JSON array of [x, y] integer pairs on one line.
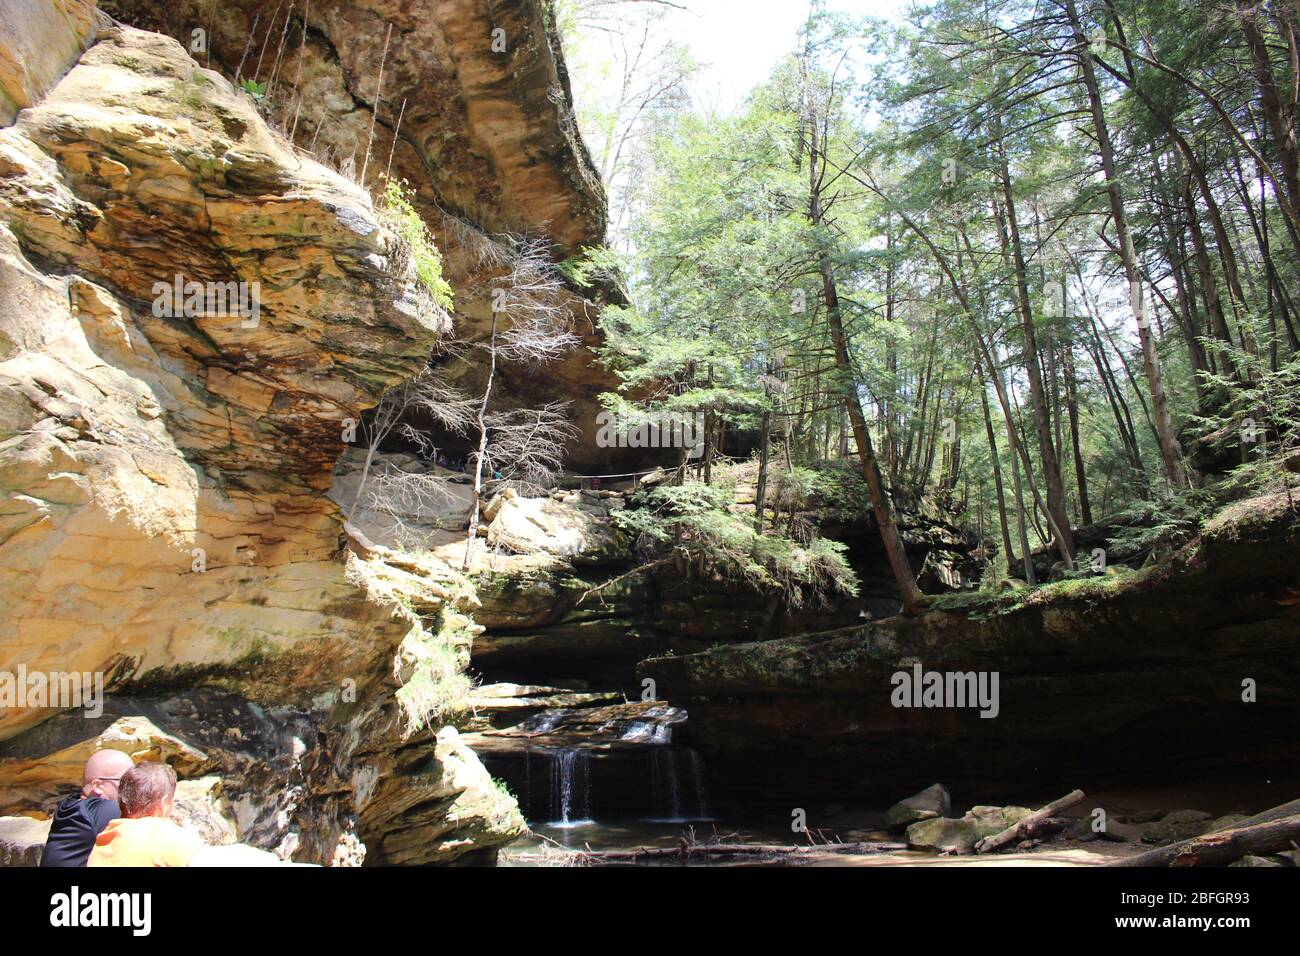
[[80, 817]]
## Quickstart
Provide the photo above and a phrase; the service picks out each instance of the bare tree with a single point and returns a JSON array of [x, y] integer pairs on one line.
[[425, 395], [528, 444], [532, 297]]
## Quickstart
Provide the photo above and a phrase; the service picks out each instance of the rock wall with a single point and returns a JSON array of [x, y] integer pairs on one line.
[[486, 137], [576, 610], [38, 40], [164, 519], [1110, 679]]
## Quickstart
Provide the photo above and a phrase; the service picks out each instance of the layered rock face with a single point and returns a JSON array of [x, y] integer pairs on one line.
[[38, 39], [582, 611], [165, 459], [473, 112], [1191, 665], [487, 131], [164, 474]]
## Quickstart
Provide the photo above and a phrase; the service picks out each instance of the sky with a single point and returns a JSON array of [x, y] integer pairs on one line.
[[741, 40]]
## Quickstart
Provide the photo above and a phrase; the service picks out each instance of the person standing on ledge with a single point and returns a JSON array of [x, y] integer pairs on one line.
[[81, 817]]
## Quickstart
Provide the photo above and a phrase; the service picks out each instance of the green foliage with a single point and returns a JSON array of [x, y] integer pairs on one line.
[[407, 224], [693, 524], [592, 266], [437, 692], [253, 88], [928, 132], [1166, 521]]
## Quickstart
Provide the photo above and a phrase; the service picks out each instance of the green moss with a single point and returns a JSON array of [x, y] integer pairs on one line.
[[410, 228], [437, 692]]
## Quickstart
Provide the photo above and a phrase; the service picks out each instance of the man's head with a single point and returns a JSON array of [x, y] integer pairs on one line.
[[147, 790], [103, 773]]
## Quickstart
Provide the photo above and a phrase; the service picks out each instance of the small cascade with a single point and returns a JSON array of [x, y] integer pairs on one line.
[[648, 732], [542, 723], [677, 785], [595, 763], [570, 787]]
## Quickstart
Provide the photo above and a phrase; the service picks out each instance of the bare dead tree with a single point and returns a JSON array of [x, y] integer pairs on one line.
[[427, 395], [409, 500], [532, 298], [528, 444]]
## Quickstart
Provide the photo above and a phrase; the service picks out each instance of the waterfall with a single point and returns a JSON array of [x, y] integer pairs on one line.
[[647, 731], [570, 787], [666, 791], [696, 770], [677, 785]]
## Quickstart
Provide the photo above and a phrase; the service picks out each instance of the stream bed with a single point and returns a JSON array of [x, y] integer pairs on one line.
[[594, 771]]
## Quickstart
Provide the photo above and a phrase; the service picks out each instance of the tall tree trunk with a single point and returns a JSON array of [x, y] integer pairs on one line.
[[1281, 120], [1055, 485], [1072, 407], [1171, 453], [881, 505], [764, 450], [477, 497], [997, 476]]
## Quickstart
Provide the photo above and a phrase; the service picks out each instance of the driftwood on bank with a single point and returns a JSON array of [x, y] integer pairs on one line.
[[1027, 825], [684, 851], [1273, 835]]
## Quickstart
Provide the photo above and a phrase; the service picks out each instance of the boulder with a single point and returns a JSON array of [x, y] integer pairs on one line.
[[1227, 822], [1178, 825], [531, 525], [933, 801], [450, 803], [1264, 861], [948, 835], [1119, 832], [22, 840]]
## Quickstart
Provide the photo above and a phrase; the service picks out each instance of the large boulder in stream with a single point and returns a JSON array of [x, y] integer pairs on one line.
[[959, 835], [933, 801]]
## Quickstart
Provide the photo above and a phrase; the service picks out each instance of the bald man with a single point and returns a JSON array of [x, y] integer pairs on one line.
[[80, 817]]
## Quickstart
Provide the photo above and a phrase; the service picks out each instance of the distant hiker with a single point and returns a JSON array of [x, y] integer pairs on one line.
[[79, 818], [144, 836]]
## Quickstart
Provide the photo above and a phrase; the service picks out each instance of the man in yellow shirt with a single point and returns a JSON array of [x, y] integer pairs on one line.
[[144, 836]]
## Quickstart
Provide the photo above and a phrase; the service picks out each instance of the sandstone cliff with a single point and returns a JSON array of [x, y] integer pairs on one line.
[[164, 518], [1101, 679], [475, 112]]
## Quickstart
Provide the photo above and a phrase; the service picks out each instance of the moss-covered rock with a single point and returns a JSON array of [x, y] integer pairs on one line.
[[959, 835]]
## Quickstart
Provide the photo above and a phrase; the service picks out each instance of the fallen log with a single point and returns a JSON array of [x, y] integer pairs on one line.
[[686, 851], [1014, 832], [1290, 809], [1223, 846]]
